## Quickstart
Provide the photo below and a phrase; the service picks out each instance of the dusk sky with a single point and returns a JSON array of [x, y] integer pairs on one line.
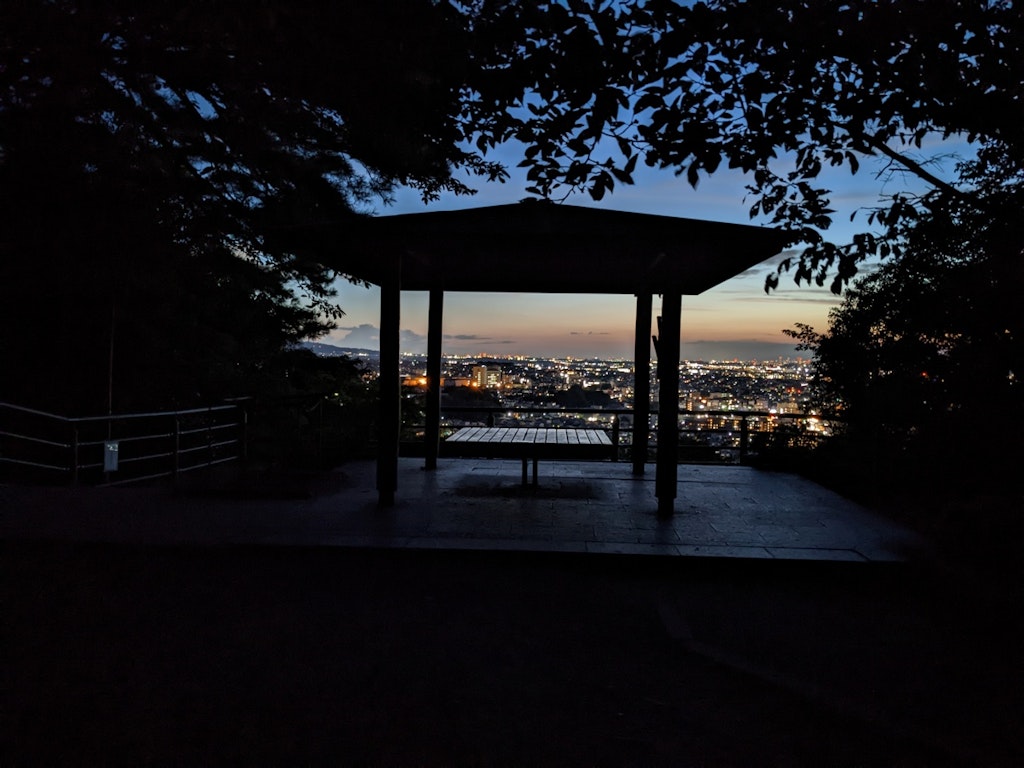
[[734, 320]]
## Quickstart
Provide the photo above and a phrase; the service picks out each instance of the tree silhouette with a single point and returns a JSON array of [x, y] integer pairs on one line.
[[156, 164], [780, 91], [160, 167], [922, 360]]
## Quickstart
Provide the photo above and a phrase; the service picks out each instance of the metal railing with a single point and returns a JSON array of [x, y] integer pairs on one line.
[[727, 436], [118, 448], [36, 446]]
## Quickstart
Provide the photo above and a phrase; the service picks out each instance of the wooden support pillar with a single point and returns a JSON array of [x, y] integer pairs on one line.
[[641, 381], [432, 432], [390, 418], [668, 404]]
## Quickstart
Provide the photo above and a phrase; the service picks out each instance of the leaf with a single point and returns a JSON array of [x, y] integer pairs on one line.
[[622, 176], [648, 100], [578, 146], [693, 175]]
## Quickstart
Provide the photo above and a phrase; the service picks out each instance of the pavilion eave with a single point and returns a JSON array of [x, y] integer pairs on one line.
[[549, 248]]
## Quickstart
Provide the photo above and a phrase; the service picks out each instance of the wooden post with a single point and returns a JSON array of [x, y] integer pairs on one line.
[[432, 432], [641, 381], [389, 423], [668, 404]]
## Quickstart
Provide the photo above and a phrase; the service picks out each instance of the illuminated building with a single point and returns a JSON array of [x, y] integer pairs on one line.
[[486, 376]]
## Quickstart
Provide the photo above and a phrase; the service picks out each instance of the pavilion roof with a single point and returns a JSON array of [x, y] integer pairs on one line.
[[539, 247]]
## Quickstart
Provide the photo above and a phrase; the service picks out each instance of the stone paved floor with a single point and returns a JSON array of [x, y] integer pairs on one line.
[[599, 507], [400, 636]]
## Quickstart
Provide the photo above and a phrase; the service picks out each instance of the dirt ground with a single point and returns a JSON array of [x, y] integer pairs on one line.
[[120, 655]]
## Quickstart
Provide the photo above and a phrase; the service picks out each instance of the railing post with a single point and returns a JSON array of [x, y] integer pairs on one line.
[[176, 465], [110, 435], [244, 437], [641, 383], [490, 419], [615, 437], [74, 456], [744, 439], [320, 432]]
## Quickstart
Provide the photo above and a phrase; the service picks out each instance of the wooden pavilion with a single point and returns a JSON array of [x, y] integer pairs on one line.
[[540, 247]]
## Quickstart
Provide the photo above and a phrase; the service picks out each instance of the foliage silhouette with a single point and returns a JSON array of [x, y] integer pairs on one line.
[[159, 166], [578, 397], [922, 361], [453, 398], [313, 412], [780, 91], [156, 164]]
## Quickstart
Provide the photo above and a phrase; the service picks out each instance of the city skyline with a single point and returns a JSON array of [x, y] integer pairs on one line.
[[736, 319]]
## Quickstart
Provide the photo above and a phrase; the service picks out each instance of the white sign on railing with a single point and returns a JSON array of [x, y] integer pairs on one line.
[[110, 450]]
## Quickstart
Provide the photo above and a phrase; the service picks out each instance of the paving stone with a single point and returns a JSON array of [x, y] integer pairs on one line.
[[818, 553], [721, 512], [631, 548], [709, 550]]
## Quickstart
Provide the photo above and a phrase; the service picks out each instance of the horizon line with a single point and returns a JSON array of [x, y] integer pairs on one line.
[[529, 356]]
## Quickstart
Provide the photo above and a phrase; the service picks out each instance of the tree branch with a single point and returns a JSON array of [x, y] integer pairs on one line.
[[911, 165]]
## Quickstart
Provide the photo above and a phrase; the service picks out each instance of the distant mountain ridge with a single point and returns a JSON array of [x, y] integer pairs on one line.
[[330, 350]]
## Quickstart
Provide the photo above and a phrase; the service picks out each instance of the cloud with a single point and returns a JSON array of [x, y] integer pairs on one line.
[[464, 340], [589, 333], [769, 265], [829, 301], [367, 336], [410, 341], [786, 295]]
